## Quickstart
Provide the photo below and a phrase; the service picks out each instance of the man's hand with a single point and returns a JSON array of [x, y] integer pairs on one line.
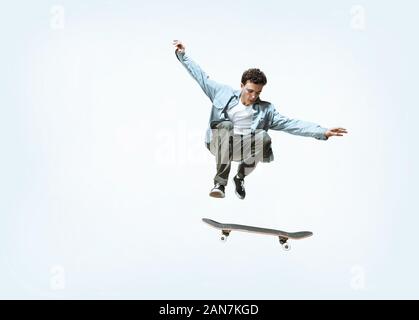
[[179, 46], [335, 132]]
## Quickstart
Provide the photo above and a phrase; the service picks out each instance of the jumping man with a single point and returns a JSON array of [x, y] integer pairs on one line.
[[239, 123]]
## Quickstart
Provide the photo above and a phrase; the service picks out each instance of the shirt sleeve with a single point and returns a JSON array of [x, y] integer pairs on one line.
[[210, 87], [297, 127]]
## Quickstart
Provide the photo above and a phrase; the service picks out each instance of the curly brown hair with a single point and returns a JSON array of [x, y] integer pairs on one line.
[[254, 76]]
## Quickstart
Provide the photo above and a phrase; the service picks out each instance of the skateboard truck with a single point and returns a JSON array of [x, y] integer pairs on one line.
[[224, 235]]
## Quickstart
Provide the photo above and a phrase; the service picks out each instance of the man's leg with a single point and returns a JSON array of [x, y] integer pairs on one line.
[[254, 151], [220, 147], [255, 148]]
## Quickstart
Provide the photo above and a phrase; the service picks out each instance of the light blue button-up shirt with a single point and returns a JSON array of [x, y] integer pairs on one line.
[[265, 115]]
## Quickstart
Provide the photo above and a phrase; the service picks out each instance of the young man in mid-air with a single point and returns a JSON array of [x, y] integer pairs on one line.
[[239, 122]]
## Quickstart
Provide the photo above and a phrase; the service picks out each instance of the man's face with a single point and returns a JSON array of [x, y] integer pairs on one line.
[[250, 92]]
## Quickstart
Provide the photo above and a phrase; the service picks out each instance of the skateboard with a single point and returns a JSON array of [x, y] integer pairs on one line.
[[283, 236]]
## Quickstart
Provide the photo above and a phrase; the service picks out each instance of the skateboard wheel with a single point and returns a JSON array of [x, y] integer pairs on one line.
[[223, 238], [286, 246]]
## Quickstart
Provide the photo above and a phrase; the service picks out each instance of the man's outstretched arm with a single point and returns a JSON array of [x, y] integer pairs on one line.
[[210, 87], [304, 128]]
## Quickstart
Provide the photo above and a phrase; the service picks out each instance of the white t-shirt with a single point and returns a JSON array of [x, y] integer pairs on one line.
[[241, 116]]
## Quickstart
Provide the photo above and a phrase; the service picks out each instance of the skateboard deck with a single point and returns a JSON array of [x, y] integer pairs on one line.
[[283, 236]]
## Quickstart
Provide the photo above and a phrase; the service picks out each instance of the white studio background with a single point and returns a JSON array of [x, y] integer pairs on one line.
[[104, 177]]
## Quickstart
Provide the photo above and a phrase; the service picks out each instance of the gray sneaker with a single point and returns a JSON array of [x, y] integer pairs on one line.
[[217, 191]]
